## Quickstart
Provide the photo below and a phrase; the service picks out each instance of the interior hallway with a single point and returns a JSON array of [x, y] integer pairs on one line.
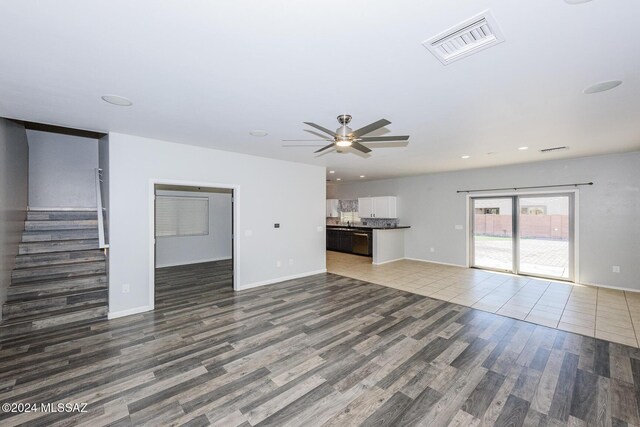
[[592, 311]]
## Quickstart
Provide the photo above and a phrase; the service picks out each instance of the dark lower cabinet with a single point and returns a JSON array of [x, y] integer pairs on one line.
[[346, 241], [333, 240], [342, 240]]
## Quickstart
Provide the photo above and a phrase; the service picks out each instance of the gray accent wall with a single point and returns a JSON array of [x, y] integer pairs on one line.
[[14, 184], [270, 192], [609, 211], [61, 170], [215, 246]]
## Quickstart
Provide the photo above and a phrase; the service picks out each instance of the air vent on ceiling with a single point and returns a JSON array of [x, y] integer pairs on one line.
[[549, 150], [466, 38]]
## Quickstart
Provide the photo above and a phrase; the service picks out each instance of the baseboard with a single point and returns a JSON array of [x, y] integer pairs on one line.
[[387, 262], [59, 208], [436, 262], [197, 261], [616, 288], [280, 279], [129, 312]]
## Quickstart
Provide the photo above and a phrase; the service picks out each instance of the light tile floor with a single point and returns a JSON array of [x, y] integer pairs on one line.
[[597, 312]]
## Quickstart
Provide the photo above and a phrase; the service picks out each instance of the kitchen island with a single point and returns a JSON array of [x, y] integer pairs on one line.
[[383, 244]]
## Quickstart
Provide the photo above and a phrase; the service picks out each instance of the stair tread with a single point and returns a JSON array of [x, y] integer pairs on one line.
[[50, 314], [57, 281], [53, 304], [60, 271], [43, 259], [17, 298], [58, 266], [29, 236], [51, 242], [55, 246]]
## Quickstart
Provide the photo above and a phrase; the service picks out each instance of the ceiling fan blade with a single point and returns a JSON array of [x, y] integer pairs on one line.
[[324, 148], [325, 130], [384, 138], [318, 134], [359, 153], [301, 145], [370, 128], [360, 147], [301, 140], [333, 150], [389, 144]]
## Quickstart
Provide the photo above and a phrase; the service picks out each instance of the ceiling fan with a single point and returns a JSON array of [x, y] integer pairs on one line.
[[345, 137]]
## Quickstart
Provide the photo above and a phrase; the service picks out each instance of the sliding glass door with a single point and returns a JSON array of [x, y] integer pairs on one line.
[[524, 234], [546, 232], [493, 233]]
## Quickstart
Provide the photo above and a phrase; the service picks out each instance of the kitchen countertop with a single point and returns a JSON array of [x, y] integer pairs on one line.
[[364, 227]]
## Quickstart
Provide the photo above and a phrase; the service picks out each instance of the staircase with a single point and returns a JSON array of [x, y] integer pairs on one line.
[[59, 276]]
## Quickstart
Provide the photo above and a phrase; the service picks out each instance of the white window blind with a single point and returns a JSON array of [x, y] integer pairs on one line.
[[182, 216]]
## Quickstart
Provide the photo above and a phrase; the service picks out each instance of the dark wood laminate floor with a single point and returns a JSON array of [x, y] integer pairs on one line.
[[324, 350]]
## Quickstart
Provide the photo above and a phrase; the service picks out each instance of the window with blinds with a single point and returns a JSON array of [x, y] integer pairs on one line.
[[182, 216]]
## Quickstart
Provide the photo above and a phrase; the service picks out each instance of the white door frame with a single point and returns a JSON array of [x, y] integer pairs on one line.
[[576, 220], [152, 228]]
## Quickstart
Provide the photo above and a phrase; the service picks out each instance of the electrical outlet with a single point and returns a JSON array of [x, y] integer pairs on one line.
[[459, 227], [290, 261], [319, 228], [278, 263], [615, 269], [126, 288], [432, 249]]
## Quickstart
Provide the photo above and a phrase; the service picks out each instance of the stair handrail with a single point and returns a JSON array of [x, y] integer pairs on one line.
[[102, 244]]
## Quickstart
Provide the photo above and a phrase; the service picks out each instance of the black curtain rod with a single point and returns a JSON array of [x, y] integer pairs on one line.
[[525, 188]]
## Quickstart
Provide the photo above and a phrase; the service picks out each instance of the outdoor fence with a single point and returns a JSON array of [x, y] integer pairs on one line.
[[554, 227]]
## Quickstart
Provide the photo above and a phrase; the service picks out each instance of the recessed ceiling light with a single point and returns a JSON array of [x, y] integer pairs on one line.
[[120, 101], [523, 148], [258, 132], [332, 171], [465, 157], [602, 86], [338, 179], [361, 176], [576, 1]]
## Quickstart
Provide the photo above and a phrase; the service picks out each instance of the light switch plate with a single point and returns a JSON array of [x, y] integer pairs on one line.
[[458, 227], [248, 233]]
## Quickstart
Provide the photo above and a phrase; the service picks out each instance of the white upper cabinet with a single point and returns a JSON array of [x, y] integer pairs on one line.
[[377, 207], [384, 207], [332, 208], [365, 207]]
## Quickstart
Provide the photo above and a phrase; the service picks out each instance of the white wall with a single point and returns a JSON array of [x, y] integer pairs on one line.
[[269, 191], [14, 171], [609, 217], [215, 246], [61, 170]]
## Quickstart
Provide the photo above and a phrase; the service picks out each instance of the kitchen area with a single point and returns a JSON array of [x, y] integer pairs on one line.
[[368, 226]]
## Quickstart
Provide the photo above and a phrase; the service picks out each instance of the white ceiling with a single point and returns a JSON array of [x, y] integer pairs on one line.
[[207, 72]]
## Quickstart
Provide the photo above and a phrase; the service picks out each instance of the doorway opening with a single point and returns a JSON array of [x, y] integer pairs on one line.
[[193, 243], [528, 234]]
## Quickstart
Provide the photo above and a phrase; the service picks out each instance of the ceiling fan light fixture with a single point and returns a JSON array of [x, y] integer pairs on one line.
[[344, 143]]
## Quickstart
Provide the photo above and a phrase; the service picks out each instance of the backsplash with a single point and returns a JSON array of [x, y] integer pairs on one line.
[[379, 222], [352, 206]]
